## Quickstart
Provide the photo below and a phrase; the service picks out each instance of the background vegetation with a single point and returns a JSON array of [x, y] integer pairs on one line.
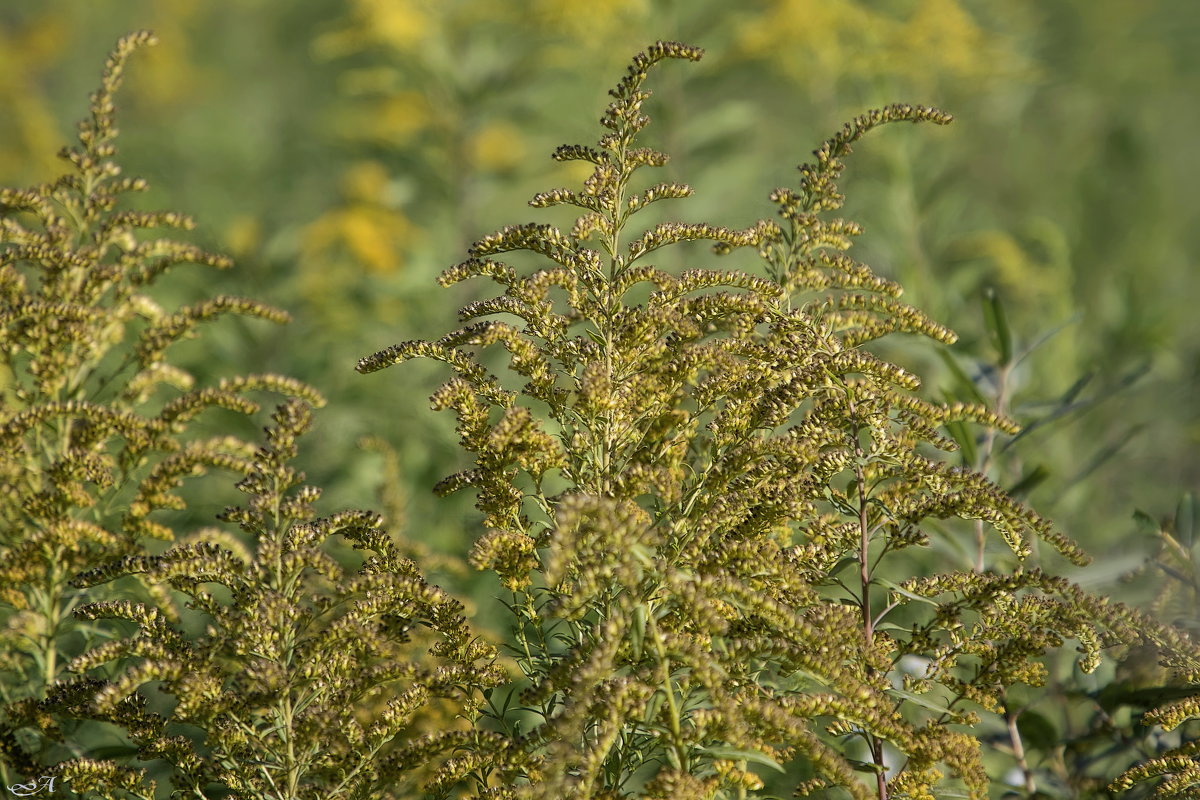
[[346, 152]]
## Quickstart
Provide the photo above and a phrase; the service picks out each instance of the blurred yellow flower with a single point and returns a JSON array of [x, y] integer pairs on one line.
[[817, 42], [803, 35], [172, 75], [364, 231], [600, 31], [27, 126], [943, 30], [393, 120], [498, 146], [243, 235], [371, 236], [365, 182], [1021, 274], [592, 17], [401, 25], [575, 172]]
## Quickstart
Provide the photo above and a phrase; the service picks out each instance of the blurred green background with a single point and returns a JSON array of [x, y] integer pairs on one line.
[[346, 151]]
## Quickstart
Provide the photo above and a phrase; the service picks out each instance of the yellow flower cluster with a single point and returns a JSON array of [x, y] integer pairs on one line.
[[708, 591]]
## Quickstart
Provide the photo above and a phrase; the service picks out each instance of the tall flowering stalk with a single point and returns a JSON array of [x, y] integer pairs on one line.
[[96, 422], [698, 503], [1174, 766], [699, 496], [309, 678]]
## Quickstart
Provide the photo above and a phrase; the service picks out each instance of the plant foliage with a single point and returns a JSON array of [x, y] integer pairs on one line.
[[698, 502], [701, 502], [96, 423], [306, 676]]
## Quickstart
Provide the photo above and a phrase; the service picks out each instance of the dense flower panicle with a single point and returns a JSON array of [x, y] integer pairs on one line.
[[1174, 770], [309, 679], [336, 668], [167, 330], [710, 593], [694, 502]]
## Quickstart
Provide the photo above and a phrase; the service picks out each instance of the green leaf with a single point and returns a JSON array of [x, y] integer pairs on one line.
[[963, 385], [638, 633], [842, 563], [643, 554], [864, 766], [1065, 404], [898, 589], [1105, 454], [1115, 695], [962, 435], [1145, 523], [508, 699], [921, 701], [728, 753], [653, 705], [105, 752], [1030, 480], [1038, 731], [996, 321], [1185, 520], [1069, 404], [1046, 337]]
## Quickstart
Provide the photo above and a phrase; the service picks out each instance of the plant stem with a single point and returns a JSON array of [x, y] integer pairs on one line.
[[679, 746], [985, 466], [1019, 751], [989, 446], [864, 574], [51, 612]]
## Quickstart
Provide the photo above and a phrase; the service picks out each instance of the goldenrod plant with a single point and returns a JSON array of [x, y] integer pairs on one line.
[[96, 427], [1069, 737], [1172, 765], [701, 491], [296, 684], [307, 680], [698, 499]]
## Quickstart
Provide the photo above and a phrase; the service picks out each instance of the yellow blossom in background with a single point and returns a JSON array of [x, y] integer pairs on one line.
[[498, 147], [586, 19], [574, 171], [817, 42], [401, 25], [820, 36], [365, 229], [173, 74], [1031, 270], [944, 33], [370, 234], [1016, 269], [365, 182], [361, 239], [26, 119], [596, 31], [243, 235], [345, 152], [393, 120]]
